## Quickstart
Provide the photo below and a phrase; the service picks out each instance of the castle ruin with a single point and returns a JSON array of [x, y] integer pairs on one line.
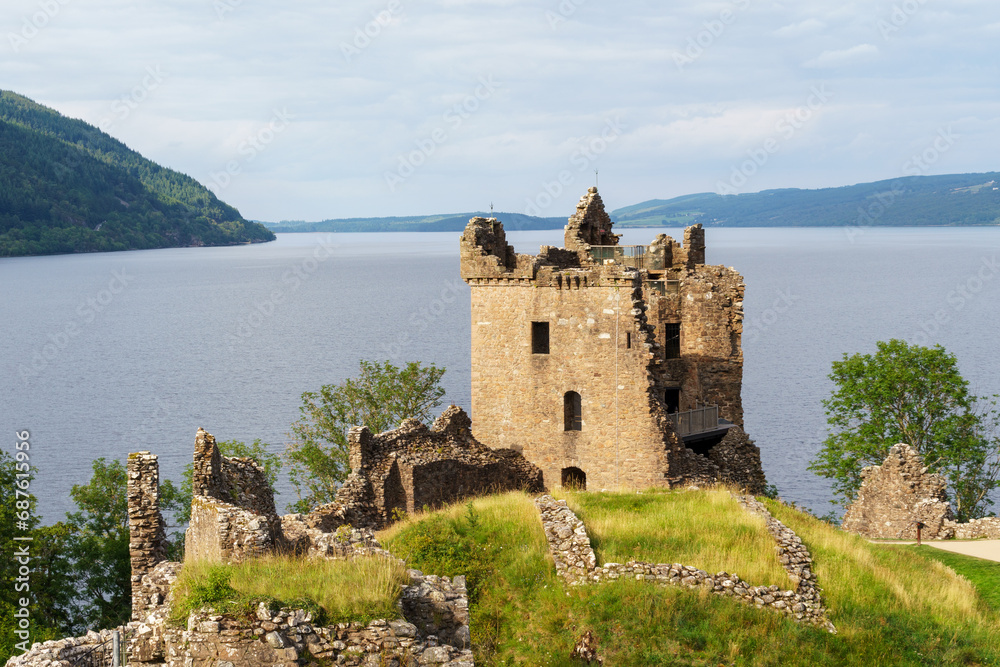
[[609, 366]]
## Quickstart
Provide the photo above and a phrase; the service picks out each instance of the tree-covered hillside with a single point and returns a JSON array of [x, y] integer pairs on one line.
[[65, 186], [954, 199]]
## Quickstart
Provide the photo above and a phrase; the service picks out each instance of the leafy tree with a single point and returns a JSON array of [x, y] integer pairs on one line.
[[99, 546], [379, 398], [47, 585], [912, 394]]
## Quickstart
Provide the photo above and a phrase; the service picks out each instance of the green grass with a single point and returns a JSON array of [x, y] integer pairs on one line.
[[983, 574], [706, 529], [890, 608], [336, 591]]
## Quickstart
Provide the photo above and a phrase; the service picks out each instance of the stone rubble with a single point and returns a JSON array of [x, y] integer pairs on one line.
[[577, 564]]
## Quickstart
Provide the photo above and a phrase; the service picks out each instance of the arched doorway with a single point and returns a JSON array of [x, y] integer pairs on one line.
[[574, 478]]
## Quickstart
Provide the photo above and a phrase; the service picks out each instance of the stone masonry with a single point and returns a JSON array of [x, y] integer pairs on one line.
[[147, 532], [577, 564], [582, 356], [414, 466], [897, 494], [232, 511]]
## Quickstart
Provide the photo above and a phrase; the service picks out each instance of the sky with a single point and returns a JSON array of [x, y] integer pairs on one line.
[[311, 110]]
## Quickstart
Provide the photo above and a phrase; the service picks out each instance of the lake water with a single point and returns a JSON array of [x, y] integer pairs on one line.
[[108, 353]]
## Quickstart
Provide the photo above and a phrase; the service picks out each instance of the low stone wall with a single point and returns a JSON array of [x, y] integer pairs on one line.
[[988, 529], [576, 563], [64, 652], [288, 637]]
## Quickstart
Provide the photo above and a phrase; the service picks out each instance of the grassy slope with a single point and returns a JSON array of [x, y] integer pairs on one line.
[[983, 574], [889, 607]]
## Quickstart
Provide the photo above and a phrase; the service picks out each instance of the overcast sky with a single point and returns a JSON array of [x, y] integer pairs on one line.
[[310, 109]]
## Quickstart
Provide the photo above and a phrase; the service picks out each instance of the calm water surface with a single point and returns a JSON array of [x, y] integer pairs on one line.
[[108, 353]]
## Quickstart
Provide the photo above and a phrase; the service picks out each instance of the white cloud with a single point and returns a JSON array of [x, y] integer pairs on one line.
[[855, 54], [355, 116], [806, 27]]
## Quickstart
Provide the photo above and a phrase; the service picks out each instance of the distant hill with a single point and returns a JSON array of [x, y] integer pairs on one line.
[[956, 199], [66, 187], [449, 222]]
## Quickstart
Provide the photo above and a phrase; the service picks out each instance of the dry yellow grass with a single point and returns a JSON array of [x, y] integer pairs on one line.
[[361, 589]]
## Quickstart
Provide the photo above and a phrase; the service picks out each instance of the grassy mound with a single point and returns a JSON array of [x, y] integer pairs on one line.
[[891, 607], [337, 591]]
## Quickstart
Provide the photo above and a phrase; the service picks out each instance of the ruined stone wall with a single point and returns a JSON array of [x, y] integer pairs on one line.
[[708, 306], [590, 225], [897, 494], [414, 466], [232, 512], [147, 532]]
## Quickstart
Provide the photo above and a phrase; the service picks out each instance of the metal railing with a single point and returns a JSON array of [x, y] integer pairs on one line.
[[626, 255], [696, 421], [110, 653]]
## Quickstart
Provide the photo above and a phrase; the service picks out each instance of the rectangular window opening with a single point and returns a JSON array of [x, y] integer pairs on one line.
[[628, 340], [539, 337], [672, 398], [672, 341]]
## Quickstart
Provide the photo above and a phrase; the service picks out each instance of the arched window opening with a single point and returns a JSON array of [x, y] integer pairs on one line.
[[574, 478], [572, 411]]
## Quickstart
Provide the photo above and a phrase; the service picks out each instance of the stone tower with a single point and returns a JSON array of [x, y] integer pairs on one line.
[[608, 366]]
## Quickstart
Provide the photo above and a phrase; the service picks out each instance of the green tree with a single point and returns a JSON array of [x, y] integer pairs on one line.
[[380, 397], [99, 547], [916, 395]]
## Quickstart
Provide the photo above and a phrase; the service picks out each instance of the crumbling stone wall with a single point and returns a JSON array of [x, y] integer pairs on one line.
[[576, 563], [415, 466], [147, 533], [606, 324], [232, 512], [896, 495]]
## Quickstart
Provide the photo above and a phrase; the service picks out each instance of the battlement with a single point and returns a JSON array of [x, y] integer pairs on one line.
[[589, 246]]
